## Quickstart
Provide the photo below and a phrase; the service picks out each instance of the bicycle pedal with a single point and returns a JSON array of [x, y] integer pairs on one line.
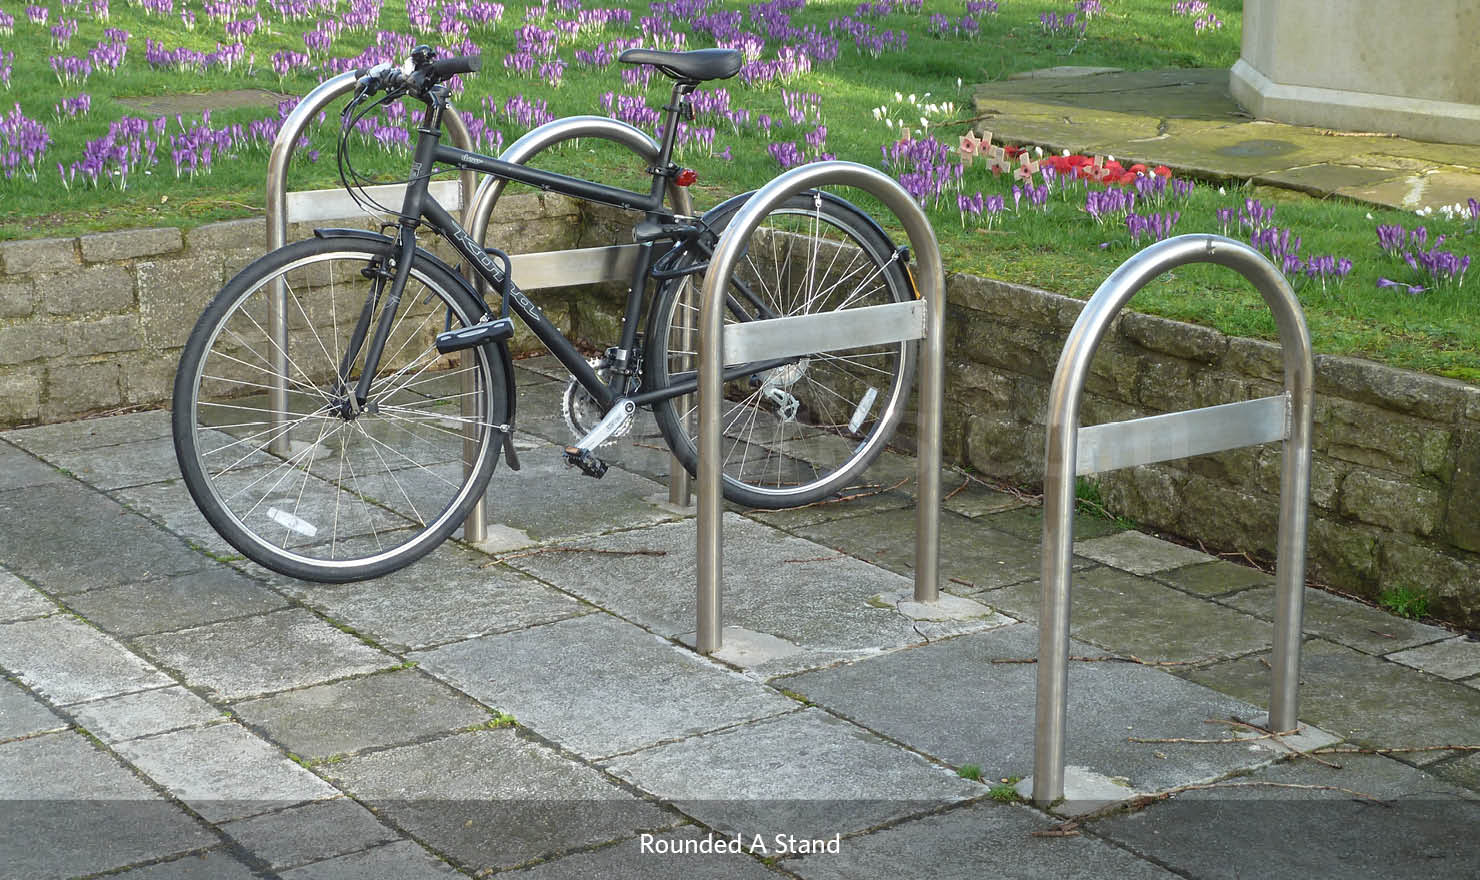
[[589, 464], [477, 334]]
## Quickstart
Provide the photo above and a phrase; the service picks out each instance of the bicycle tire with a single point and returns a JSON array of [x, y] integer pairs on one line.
[[320, 493], [802, 432]]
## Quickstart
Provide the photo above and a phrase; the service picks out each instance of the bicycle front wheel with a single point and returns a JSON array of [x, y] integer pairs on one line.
[[802, 431], [277, 454]]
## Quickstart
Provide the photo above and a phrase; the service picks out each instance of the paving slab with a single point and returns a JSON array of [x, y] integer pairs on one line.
[[124, 464], [807, 774], [493, 799], [1329, 177], [23, 715], [797, 518], [217, 592], [569, 504], [1139, 553], [648, 690], [19, 600], [67, 661], [385, 709], [1027, 523], [450, 594], [145, 713], [19, 469], [795, 590], [971, 556], [51, 786], [968, 843], [169, 504], [309, 833], [1454, 658], [1463, 770], [670, 855], [1347, 622], [1251, 831], [1214, 578], [223, 772], [1371, 701], [403, 860], [259, 655], [68, 539], [1133, 615], [212, 865], [951, 700], [91, 433]]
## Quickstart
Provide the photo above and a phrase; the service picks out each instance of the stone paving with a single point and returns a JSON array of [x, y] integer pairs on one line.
[[531, 707], [1188, 120]]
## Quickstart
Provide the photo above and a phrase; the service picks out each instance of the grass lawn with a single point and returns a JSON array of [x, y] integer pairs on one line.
[[81, 153]]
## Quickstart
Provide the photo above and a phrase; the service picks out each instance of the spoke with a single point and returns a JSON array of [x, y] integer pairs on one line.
[[414, 463], [287, 357], [298, 501], [407, 341], [392, 474], [279, 428], [288, 380], [309, 322]]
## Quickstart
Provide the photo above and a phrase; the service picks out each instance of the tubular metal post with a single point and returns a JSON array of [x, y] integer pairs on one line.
[[277, 224], [930, 278], [479, 211], [1062, 462]]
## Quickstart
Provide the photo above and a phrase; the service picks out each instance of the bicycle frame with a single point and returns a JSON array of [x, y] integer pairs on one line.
[[418, 205]]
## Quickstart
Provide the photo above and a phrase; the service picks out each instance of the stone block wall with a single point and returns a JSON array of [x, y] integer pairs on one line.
[[97, 322], [1395, 489]]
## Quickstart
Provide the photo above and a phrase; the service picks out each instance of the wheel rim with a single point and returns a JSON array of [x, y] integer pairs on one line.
[[798, 429], [329, 488]]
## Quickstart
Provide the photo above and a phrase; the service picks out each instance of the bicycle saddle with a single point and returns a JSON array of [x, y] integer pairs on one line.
[[694, 66]]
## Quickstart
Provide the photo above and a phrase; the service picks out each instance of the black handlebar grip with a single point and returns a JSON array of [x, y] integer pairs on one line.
[[447, 68]]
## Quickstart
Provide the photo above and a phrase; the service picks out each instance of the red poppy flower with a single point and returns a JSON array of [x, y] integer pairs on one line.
[[1162, 170]]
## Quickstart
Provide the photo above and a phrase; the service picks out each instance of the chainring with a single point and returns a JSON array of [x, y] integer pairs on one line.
[[580, 409]]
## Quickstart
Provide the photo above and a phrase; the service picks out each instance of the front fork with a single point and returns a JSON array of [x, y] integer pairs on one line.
[[352, 404]]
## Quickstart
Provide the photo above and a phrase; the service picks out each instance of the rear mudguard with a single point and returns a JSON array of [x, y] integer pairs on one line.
[[503, 349]]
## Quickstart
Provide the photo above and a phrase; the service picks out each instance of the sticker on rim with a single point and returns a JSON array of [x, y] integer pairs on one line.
[[291, 522], [861, 412]]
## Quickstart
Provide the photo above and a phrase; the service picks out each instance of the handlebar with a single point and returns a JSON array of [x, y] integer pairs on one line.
[[419, 74]]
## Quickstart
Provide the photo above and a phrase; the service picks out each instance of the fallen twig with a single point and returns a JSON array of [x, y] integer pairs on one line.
[[876, 490], [1362, 750], [541, 550], [1063, 829], [819, 558], [956, 491], [1143, 800], [1129, 658]]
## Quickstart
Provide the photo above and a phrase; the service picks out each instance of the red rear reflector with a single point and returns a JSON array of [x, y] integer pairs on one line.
[[686, 177]]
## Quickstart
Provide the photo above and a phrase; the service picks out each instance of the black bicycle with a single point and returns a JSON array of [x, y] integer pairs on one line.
[[343, 401]]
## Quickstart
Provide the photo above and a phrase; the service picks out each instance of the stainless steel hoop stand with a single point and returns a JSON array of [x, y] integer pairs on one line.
[[781, 337], [1072, 451], [565, 268], [277, 224]]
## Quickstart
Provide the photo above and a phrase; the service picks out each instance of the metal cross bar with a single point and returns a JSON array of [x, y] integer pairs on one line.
[[824, 331], [1288, 417], [1183, 434], [713, 332]]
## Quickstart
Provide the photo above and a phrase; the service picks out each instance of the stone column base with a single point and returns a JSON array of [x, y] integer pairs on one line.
[[1416, 118]]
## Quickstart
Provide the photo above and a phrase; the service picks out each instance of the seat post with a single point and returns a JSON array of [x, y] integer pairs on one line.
[[672, 114]]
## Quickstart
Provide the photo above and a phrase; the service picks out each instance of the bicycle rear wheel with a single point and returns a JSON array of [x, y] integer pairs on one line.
[[800, 432], [310, 486]]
